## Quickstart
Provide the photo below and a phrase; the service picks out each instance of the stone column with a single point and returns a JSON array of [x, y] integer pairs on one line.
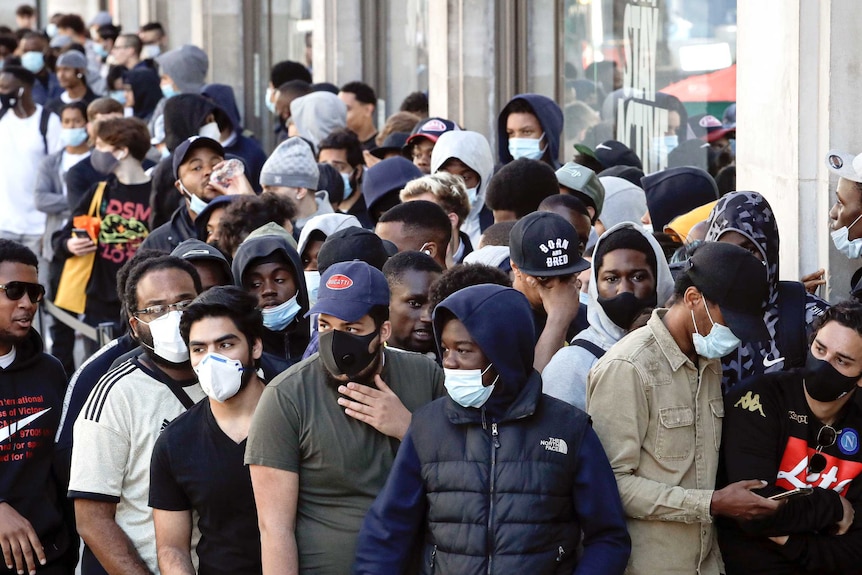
[[797, 98], [337, 41], [462, 64]]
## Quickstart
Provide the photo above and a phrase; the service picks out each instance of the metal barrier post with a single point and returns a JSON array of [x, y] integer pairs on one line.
[[105, 332]]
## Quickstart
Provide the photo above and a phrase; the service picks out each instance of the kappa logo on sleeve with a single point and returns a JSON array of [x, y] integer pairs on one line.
[[751, 402], [555, 444]]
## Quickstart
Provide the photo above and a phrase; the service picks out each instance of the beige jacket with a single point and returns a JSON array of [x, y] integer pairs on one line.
[[659, 420]]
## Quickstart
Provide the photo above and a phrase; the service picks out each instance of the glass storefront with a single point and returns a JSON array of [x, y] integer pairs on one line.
[[645, 72]]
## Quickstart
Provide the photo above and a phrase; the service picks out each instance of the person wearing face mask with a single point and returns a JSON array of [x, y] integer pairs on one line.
[[467, 154], [222, 329], [341, 150], [51, 198], [484, 460], [311, 240], [746, 219], [847, 210], [193, 163], [269, 267], [33, 47], [120, 146], [806, 423], [629, 274], [28, 133], [656, 404], [118, 426], [326, 431], [530, 126]]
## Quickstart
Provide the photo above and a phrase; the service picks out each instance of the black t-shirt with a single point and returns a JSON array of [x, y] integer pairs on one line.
[[196, 466]]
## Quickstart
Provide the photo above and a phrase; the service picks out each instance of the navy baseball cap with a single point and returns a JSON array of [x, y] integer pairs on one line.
[[544, 244], [735, 280], [193, 143], [196, 250], [348, 291], [350, 244]]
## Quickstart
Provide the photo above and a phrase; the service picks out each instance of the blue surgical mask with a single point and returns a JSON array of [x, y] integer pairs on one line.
[[210, 131], [196, 204], [118, 95], [279, 317], [150, 51], [529, 148], [719, 342], [51, 30], [312, 284], [348, 189], [850, 248], [73, 136], [33, 61], [584, 298], [100, 50], [665, 144], [465, 386], [168, 90], [472, 194], [268, 102]]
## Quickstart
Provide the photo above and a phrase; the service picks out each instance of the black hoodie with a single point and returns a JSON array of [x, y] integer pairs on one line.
[[289, 343], [31, 399], [184, 116]]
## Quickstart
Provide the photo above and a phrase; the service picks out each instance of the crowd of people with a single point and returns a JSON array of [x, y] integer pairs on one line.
[[390, 349]]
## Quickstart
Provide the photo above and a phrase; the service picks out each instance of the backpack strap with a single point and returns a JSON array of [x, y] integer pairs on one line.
[[589, 346], [43, 127], [790, 330]]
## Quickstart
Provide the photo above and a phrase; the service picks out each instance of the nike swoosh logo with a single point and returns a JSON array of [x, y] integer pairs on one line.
[[12, 428], [770, 362]]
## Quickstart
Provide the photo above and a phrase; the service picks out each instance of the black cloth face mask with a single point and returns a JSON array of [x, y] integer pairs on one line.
[[825, 383], [344, 353], [624, 308]]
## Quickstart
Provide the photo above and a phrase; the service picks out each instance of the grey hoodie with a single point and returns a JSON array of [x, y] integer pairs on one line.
[[565, 376], [317, 115], [473, 150]]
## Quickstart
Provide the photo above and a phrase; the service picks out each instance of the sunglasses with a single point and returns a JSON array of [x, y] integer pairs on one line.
[[16, 290], [826, 437]]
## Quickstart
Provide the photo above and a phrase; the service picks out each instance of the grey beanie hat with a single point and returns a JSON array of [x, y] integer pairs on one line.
[[291, 165], [72, 59], [187, 66]]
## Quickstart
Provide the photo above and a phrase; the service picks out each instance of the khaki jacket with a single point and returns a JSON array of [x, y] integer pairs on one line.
[[658, 417]]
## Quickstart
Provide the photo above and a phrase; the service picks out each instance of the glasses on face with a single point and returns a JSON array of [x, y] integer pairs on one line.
[[825, 438], [156, 311], [16, 290]]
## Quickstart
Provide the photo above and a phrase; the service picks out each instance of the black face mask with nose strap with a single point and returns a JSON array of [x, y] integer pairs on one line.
[[825, 383]]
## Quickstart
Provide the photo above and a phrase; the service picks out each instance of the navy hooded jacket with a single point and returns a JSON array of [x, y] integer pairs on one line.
[[505, 488], [248, 149], [550, 117]]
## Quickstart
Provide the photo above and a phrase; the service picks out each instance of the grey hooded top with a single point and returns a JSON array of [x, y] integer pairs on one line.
[[565, 376]]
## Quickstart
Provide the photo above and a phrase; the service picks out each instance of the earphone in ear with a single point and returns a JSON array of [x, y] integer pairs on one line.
[[80, 75], [427, 252]]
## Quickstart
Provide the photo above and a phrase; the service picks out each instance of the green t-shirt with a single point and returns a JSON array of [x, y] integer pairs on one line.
[[342, 463]]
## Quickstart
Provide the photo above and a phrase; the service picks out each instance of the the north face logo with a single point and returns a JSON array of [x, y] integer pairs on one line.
[[555, 444], [339, 282]]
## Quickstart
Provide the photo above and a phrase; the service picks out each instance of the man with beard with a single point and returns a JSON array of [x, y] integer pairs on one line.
[[125, 413], [410, 275], [197, 462], [34, 533], [334, 420]]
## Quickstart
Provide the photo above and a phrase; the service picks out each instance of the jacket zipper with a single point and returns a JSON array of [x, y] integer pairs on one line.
[[496, 445], [560, 554], [433, 558]]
